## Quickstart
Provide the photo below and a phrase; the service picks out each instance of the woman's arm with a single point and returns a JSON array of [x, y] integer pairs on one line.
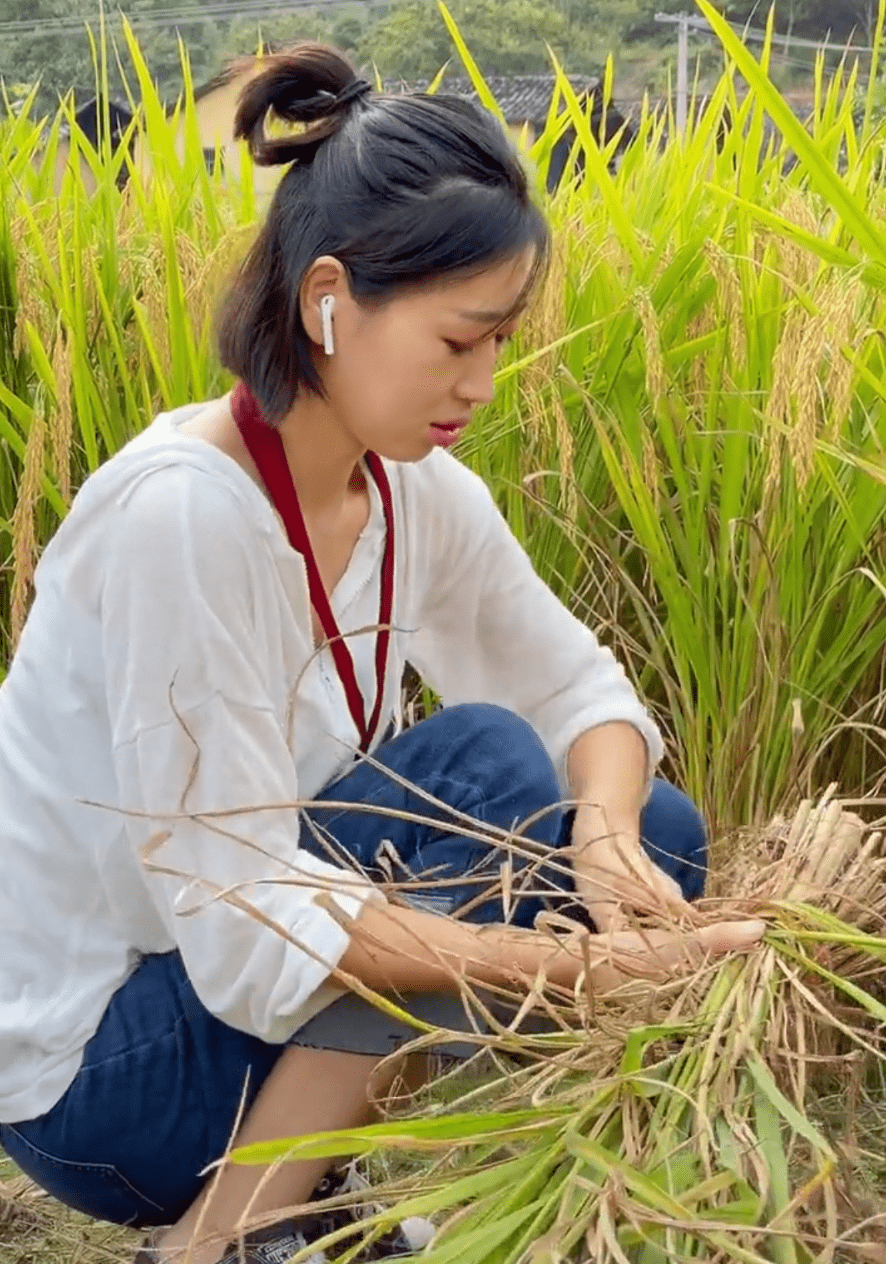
[[607, 767], [490, 629], [607, 774], [395, 949]]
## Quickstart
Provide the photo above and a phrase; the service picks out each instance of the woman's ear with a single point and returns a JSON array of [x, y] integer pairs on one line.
[[325, 277]]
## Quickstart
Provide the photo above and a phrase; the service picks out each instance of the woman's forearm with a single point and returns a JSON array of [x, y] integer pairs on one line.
[[609, 766], [397, 949]]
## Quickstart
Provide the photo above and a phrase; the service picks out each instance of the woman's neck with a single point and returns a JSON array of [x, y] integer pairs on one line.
[[323, 460]]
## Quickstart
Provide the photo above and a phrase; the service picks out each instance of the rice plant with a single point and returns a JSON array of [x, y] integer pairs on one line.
[[686, 454], [108, 289], [680, 433]]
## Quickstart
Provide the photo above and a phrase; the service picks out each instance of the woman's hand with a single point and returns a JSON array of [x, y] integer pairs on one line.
[[614, 875], [609, 960]]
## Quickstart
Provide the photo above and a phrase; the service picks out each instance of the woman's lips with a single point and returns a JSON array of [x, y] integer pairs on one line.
[[446, 433]]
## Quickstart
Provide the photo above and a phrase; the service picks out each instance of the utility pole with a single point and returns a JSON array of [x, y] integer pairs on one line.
[[681, 21]]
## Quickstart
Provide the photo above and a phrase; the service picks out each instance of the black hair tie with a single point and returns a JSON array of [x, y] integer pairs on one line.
[[355, 89]]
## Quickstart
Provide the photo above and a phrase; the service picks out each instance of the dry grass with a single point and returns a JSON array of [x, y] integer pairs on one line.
[[35, 1229]]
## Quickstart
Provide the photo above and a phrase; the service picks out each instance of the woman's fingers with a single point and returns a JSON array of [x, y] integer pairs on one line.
[[731, 936], [656, 954], [668, 892], [619, 883]]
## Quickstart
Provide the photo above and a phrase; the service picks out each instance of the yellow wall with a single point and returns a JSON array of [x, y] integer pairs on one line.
[[215, 112]]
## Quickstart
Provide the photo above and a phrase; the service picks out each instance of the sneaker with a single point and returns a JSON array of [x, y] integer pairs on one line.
[[278, 1243], [408, 1239], [275, 1245]]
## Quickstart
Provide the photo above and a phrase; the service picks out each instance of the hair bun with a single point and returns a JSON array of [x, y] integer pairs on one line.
[[356, 89], [310, 83]]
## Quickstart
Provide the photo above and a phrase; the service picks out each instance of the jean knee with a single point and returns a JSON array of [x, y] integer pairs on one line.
[[676, 837], [517, 749]]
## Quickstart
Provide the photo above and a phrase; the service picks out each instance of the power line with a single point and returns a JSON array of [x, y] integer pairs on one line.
[[196, 13], [757, 34], [686, 22], [784, 57], [164, 17]]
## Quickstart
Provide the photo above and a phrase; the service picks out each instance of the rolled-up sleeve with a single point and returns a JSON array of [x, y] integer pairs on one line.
[[491, 630], [207, 784]]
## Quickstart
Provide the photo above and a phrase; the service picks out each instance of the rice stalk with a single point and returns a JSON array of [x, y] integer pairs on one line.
[[779, 409], [729, 300], [655, 368], [840, 382]]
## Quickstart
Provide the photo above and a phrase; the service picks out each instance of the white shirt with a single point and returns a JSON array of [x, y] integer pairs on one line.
[[167, 669]]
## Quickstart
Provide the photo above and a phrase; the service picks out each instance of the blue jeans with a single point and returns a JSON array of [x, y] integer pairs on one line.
[[156, 1096]]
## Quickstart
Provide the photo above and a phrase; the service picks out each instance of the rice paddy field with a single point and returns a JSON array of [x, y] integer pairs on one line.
[[689, 437]]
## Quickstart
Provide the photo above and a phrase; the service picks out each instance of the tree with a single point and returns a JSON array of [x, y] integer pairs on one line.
[[58, 60], [406, 40], [505, 36], [60, 57]]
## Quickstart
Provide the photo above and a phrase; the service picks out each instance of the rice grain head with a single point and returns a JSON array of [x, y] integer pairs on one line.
[[698, 378], [779, 410], [191, 259], [730, 300], [798, 264], [839, 387], [216, 271], [24, 534], [568, 496], [545, 323], [824, 336], [30, 302], [806, 392], [651, 467], [151, 283], [655, 367], [61, 423]]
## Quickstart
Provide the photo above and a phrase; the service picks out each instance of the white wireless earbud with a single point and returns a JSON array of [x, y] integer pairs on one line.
[[327, 307]]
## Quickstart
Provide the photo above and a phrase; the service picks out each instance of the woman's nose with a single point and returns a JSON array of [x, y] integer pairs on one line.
[[477, 384]]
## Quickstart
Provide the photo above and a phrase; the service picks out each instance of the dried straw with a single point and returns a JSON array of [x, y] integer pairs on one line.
[[682, 1121]]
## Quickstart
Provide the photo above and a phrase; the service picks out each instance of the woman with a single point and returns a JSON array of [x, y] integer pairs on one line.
[[221, 625]]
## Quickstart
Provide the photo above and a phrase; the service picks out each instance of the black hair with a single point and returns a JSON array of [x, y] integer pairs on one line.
[[401, 189]]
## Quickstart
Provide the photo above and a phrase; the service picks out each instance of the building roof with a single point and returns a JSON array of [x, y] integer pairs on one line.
[[522, 98], [221, 80], [90, 118]]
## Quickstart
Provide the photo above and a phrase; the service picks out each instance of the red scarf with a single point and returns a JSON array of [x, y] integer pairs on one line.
[[266, 449]]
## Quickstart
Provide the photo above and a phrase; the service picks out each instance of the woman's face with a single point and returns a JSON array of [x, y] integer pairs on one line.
[[423, 361]]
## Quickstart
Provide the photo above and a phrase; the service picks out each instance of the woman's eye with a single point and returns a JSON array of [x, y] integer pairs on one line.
[[459, 348]]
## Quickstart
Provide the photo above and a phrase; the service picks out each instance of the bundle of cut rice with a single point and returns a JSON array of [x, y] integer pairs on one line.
[[685, 1121]]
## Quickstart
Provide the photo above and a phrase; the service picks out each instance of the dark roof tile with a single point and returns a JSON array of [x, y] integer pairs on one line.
[[522, 98]]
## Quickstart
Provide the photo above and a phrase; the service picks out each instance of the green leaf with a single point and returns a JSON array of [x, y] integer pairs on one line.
[[823, 175], [801, 1125], [412, 1134]]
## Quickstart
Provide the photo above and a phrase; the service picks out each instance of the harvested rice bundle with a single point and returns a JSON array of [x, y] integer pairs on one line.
[[683, 1121]]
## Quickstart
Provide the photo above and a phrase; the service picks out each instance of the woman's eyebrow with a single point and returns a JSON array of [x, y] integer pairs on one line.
[[485, 318]]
